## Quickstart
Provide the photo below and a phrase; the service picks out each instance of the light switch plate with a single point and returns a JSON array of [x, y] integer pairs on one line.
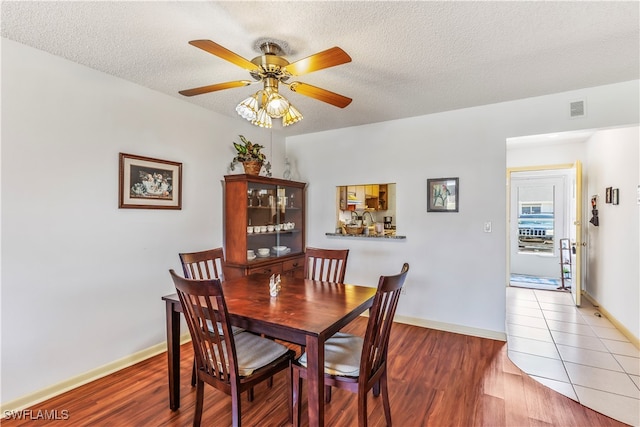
[[487, 227]]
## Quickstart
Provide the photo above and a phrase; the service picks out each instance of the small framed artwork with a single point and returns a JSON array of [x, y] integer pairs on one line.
[[615, 196], [146, 183], [442, 195], [607, 193]]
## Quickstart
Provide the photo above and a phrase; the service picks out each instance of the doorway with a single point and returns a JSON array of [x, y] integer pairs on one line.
[[567, 150], [541, 208], [538, 216]]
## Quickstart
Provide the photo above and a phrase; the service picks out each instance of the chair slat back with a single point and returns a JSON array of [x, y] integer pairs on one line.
[[203, 305], [376, 339], [203, 265], [327, 265]]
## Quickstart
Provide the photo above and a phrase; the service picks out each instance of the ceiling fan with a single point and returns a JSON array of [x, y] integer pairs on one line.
[[272, 69]]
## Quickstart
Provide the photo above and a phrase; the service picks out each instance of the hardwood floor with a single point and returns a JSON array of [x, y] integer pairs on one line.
[[436, 379]]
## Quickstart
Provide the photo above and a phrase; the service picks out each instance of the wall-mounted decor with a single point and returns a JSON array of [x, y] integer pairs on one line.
[[607, 198], [442, 195], [147, 183], [594, 211], [615, 196]]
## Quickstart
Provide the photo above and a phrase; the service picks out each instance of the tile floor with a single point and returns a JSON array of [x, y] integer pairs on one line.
[[574, 351]]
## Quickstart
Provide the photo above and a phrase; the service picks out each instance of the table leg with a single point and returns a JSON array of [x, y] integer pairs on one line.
[[173, 354], [315, 380]]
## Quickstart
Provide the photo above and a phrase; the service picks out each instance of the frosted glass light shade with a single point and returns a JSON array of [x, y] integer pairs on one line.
[[263, 120], [277, 105], [248, 109], [291, 116]]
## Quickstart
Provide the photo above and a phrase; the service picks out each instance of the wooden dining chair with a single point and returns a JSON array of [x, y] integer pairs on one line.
[[327, 265], [232, 363], [208, 264], [356, 364]]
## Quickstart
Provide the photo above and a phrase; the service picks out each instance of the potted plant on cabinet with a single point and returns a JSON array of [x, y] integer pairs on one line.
[[251, 157]]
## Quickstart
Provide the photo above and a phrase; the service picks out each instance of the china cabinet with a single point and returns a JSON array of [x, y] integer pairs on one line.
[[264, 225]]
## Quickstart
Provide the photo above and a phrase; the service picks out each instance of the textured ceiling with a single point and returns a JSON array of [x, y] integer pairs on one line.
[[409, 58]]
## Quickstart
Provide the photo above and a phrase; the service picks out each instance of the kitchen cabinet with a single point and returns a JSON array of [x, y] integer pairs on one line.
[[342, 196], [371, 191], [382, 197], [371, 196], [355, 197], [264, 213], [351, 198], [360, 197]]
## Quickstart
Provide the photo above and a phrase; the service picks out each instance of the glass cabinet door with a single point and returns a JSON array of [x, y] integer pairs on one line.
[[274, 220]]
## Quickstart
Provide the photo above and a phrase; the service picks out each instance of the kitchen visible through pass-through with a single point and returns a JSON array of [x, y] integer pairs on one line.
[[367, 210]]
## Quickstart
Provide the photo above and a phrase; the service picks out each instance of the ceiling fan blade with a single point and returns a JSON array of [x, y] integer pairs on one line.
[[213, 88], [325, 59], [224, 53], [320, 94]]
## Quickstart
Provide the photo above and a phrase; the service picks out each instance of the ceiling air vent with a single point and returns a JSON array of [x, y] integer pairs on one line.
[[577, 109]]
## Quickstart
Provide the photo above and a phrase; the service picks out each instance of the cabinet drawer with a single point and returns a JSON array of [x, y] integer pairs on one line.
[[292, 264], [267, 269]]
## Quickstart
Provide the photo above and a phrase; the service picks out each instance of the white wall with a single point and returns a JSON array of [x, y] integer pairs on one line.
[[82, 280], [546, 154], [458, 272], [614, 246]]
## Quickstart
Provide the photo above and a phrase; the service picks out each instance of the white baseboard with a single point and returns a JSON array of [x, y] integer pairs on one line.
[[448, 327], [46, 393], [626, 332]]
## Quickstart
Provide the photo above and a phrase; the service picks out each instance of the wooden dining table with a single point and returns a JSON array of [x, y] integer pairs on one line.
[[305, 312]]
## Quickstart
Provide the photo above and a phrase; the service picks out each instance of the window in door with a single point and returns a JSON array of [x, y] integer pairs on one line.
[[536, 226]]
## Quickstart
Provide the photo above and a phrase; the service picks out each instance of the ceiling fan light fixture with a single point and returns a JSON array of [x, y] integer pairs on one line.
[[291, 116], [263, 119], [277, 105], [248, 108], [272, 69]]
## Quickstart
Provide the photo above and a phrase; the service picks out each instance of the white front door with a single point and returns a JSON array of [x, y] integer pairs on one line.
[[538, 220]]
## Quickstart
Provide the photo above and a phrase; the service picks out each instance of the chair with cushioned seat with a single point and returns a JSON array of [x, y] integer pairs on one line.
[[207, 264], [230, 362], [327, 265], [359, 364]]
